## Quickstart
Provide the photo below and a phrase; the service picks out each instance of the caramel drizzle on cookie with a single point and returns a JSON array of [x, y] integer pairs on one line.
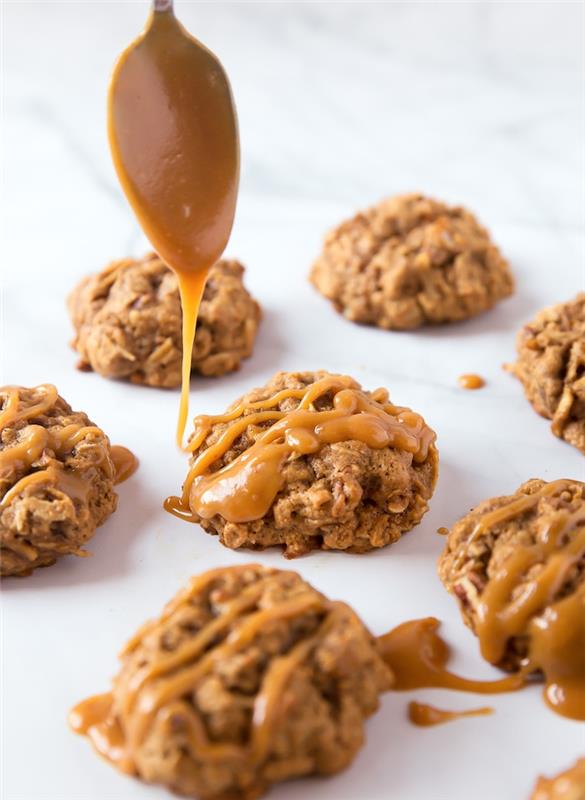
[[36, 449], [157, 694], [524, 598], [245, 488]]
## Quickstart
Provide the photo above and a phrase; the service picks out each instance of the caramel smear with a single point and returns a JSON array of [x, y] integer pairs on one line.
[[35, 442], [514, 605], [244, 489], [568, 785], [426, 716], [125, 463], [174, 140], [418, 657], [153, 694], [471, 381]]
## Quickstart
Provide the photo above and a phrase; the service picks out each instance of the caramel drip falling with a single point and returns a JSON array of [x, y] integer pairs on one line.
[[174, 141], [418, 657], [34, 440], [524, 598], [156, 693], [426, 716], [244, 489]]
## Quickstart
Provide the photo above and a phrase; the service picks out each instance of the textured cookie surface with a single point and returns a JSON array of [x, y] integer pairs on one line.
[[409, 261], [551, 366], [127, 320], [343, 495], [526, 553], [249, 677], [56, 479]]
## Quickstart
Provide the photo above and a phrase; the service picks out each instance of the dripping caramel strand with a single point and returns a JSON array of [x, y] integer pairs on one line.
[[426, 716], [516, 604], [34, 440], [244, 489], [158, 692]]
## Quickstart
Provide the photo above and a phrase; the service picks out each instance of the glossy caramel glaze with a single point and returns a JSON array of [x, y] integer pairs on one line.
[[527, 596], [244, 489], [159, 687], [174, 141], [568, 785], [426, 716], [471, 381], [34, 440], [418, 657]]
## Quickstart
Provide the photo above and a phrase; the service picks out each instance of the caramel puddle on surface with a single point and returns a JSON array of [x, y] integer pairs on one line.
[[174, 140], [418, 657], [426, 716], [471, 381], [124, 461]]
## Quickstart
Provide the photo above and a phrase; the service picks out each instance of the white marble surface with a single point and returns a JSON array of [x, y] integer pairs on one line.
[[339, 105]]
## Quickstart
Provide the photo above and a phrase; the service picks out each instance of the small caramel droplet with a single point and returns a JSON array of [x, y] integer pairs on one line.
[[471, 381], [425, 716]]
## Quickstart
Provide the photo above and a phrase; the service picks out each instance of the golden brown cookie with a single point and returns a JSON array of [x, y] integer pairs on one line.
[[56, 479], [409, 261], [551, 367], [127, 320], [516, 565], [249, 677], [311, 460]]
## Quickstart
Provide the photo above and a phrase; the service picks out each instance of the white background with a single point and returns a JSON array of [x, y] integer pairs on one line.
[[339, 105]]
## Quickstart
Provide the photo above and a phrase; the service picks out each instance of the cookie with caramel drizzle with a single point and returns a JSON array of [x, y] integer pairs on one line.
[[309, 461], [57, 476], [516, 565], [249, 677]]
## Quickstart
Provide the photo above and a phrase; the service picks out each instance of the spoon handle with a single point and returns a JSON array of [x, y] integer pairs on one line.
[[162, 5]]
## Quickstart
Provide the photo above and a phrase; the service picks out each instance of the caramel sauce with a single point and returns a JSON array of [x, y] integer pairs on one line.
[[418, 657], [34, 441], [426, 716], [514, 604], [471, 381], [568, 785], [244, 489], [158, 692], [174, 140], [124, 461]]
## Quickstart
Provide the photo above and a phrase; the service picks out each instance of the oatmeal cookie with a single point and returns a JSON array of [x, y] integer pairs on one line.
[[127, 320], [516, 562], [310, 461], [56, 479], [409, 261], [551, 367], [249, 677]]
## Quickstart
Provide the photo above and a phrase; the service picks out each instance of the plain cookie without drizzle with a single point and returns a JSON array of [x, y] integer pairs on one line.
[[127, 320], [411, 261]]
